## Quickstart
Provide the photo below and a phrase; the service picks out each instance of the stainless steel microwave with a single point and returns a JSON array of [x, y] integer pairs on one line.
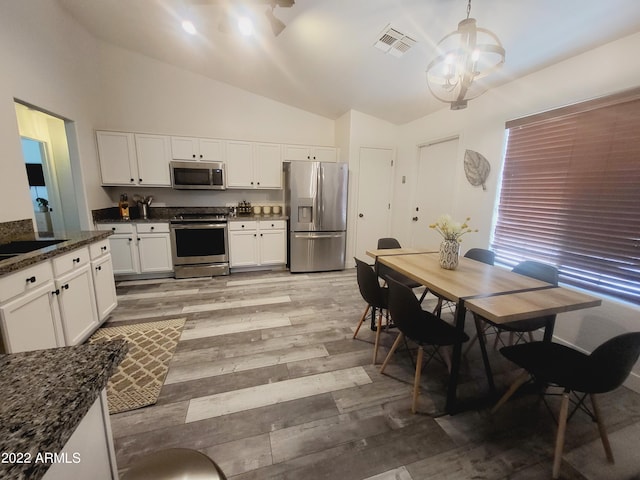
[[197, 175]]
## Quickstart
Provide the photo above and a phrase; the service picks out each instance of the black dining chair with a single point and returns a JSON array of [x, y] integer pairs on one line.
[[579, 375], [387, 272], [376, 296], [419, 326]]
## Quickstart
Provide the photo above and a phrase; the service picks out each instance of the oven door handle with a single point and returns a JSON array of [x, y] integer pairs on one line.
[[192, 226]]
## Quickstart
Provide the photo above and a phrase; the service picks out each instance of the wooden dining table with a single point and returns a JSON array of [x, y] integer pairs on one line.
[[493, 292]]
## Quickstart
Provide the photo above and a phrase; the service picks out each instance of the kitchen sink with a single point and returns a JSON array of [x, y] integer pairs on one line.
[[25, 246]]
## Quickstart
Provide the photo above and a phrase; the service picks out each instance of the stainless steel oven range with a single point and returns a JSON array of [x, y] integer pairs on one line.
[[199, 245]]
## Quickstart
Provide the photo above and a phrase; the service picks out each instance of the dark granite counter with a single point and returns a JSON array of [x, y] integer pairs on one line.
[[247, 218], [46, 393], [72, 241]]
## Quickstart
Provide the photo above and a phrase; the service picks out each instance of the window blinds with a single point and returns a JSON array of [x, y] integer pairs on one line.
[[571, 197]]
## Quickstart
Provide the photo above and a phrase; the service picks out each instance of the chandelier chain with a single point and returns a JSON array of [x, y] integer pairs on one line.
[[468, 9]]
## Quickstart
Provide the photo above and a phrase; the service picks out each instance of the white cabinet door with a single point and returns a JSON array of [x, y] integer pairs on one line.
[[30, 321], [239, 165], [155, 252], [268, 165], [273, 247], [154, 155], [106, 299], [184, 148], [243, 248], [77, 302], [325, 154], [117, 154], [124, 255], [296, 153], [211, 150]]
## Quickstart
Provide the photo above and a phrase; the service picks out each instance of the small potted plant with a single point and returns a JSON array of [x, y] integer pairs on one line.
[[43, 204]]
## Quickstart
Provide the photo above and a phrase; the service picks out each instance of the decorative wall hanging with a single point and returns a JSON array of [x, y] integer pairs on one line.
[[476, 168]]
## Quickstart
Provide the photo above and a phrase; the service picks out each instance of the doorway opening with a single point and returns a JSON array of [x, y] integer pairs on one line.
[[45, 150]]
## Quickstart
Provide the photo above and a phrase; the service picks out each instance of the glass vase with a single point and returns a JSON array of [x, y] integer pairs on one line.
[[449, 252]]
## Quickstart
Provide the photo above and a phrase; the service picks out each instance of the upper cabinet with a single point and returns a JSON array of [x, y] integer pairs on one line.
[[254, 165], [197, 149], [134, 159], [310, 154]]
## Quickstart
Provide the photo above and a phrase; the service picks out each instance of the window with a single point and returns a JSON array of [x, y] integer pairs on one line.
[[571, 195]]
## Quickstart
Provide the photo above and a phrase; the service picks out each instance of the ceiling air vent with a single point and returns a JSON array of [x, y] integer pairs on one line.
[[394, 42]]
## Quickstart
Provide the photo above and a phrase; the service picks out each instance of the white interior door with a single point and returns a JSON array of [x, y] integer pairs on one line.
[[434, 190], [374, 198]]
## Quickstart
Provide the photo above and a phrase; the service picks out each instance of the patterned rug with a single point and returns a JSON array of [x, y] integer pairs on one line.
[[140, 376]]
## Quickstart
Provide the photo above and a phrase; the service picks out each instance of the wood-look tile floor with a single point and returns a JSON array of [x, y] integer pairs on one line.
[[268, 382]]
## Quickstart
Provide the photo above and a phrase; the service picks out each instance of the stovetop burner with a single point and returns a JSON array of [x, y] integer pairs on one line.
[[200, 217]]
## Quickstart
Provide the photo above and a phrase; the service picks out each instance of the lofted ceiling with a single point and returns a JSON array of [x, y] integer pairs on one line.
[[325, 61]]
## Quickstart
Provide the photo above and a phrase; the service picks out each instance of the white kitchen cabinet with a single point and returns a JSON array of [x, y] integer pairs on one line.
[[140, 248], [76, 298], [257, 243], [254, 165], [31, 320], [243, 243], [197, 149], [310, 153], [92, 444], [153, 156], [103, 281], [117, 154], [273, 242], [134, 159]]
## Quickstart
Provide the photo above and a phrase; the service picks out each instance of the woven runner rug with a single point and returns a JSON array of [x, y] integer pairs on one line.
[[140, 376]]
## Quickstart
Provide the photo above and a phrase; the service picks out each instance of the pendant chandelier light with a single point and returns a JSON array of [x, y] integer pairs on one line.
[[464, 58]]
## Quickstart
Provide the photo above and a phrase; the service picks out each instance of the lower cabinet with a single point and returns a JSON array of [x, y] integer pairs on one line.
[[139, 248], [257, 243], [89, 452], [54, 302], [31, 321]]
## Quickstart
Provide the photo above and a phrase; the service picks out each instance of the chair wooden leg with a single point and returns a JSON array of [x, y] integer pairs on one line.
[[602, 430], [416, 381], [364, 315], [562, 428], [377, 344], [395, 345], [512, 389]]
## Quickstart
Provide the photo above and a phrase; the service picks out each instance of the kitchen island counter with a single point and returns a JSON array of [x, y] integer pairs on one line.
[[72, 240], [46, 394]]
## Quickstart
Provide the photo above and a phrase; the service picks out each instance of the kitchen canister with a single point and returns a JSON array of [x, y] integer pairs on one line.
[[276, 209], [257, 209], [266, 209]]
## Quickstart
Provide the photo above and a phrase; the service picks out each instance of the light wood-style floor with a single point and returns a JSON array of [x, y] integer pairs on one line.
[[268, 382]]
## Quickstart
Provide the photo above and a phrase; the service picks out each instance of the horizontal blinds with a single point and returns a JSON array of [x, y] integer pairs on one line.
[[571, 197]]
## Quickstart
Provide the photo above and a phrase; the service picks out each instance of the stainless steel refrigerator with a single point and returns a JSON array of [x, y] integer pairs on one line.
[[316, 204]]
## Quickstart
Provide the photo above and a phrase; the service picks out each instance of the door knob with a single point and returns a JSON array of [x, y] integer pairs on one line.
[[361, 215], [415, 219]]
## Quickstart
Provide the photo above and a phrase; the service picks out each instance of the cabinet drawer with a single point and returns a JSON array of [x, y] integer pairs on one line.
[[162, 227], [70, 261], [24, 280], [272, 224], [116, 227], [99, 248], [248, 225]]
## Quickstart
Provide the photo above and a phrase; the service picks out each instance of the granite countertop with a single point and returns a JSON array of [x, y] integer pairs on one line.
[[246, 218], [72, 241], [46, 393]]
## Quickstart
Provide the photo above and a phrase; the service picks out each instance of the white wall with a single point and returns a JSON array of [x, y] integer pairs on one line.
[[353, 131], [481, 127], [144, 95], [47, 61]]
